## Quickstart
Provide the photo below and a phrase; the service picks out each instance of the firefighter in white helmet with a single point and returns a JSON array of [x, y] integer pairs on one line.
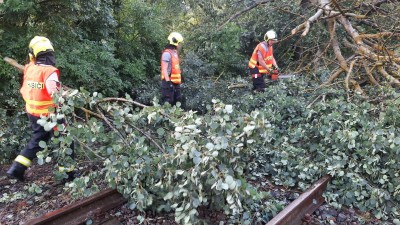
[[171, 73], [41, 81], [262, 62]]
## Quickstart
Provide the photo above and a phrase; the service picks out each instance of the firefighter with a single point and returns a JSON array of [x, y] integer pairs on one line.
[[171, 77], [262, 62], [40, 82]]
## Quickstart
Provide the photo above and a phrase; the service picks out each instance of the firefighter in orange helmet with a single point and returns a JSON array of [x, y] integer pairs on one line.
[[262, 62], [41, 81], [171, 74]]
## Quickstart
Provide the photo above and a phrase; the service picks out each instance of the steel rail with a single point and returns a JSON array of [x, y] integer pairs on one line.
[[90, 208], [306, 203], [82, 211]]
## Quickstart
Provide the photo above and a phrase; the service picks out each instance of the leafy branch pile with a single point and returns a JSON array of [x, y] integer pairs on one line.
[[168, 159], [357, 143], [165, 157]]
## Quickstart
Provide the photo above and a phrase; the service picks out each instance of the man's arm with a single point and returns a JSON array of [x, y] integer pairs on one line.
[[164, 70], [274, 63], [165, 62], [52, 83]]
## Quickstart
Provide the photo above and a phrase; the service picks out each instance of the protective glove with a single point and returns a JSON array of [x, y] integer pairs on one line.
[[274, 73]]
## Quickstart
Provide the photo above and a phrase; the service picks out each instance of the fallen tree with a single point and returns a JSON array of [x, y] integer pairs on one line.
[[373, 51], [356, 42]]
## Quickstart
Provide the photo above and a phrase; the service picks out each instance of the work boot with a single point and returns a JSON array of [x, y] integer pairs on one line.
[[16, 171], [71, 176]]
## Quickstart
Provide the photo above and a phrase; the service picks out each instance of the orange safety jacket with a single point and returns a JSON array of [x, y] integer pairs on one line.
[[266, 55], [175, 75], [34, 90]]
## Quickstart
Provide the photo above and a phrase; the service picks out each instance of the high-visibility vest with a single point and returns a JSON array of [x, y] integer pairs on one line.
[[175, 75], [266, 55], [34, 90]]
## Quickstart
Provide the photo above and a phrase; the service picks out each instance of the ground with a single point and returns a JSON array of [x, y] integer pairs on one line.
[[22, 201]]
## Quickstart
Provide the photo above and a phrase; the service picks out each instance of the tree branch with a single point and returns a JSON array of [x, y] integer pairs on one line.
[[346, 80], [111, 126], [148, 137], [369, 73], [324, 6], [122, 100], [388, 77], [335, 44]]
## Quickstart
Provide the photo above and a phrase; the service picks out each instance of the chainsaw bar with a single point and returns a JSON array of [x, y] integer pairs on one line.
[[286, 76]]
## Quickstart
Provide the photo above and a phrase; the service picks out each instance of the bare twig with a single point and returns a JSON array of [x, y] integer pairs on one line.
[[346, 80], [305, 27], [87, 147], [148, 137], [312, 103], [122, 100], [369, 74], [111, 126], [237, 86], [216, 80]]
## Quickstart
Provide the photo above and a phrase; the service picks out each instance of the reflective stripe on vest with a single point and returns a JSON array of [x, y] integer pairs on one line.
[[175, 75], [34, 90], [267, 55], [23, 160]]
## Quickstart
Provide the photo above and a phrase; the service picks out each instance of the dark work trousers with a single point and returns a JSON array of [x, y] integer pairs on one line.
[[259, 81], [171, 94], [39, 134]]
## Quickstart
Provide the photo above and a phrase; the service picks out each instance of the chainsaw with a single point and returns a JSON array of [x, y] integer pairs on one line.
[[286, 76]]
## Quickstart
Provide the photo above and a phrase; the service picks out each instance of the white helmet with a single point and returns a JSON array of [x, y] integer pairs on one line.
[[175, 38], [270, 35]]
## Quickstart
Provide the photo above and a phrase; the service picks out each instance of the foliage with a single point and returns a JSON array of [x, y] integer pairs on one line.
[[141, 36], [187, 163], [85, 185], [179, 160], [169, 159], [7, 198], [355, 143], [13, 132]]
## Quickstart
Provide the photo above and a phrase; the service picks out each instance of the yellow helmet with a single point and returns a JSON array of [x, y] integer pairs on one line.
[[39, 44], [270, 35], [175, 38]]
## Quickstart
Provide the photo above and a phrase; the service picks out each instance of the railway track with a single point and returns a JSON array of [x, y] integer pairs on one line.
[[88, 209], [306, 203], [97, 205]]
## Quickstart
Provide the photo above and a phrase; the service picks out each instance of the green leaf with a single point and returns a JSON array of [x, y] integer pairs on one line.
[[160, 131], [132, 206], [397, 140], [42, 144], [210, 146], [168, 196], [196, 160]]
